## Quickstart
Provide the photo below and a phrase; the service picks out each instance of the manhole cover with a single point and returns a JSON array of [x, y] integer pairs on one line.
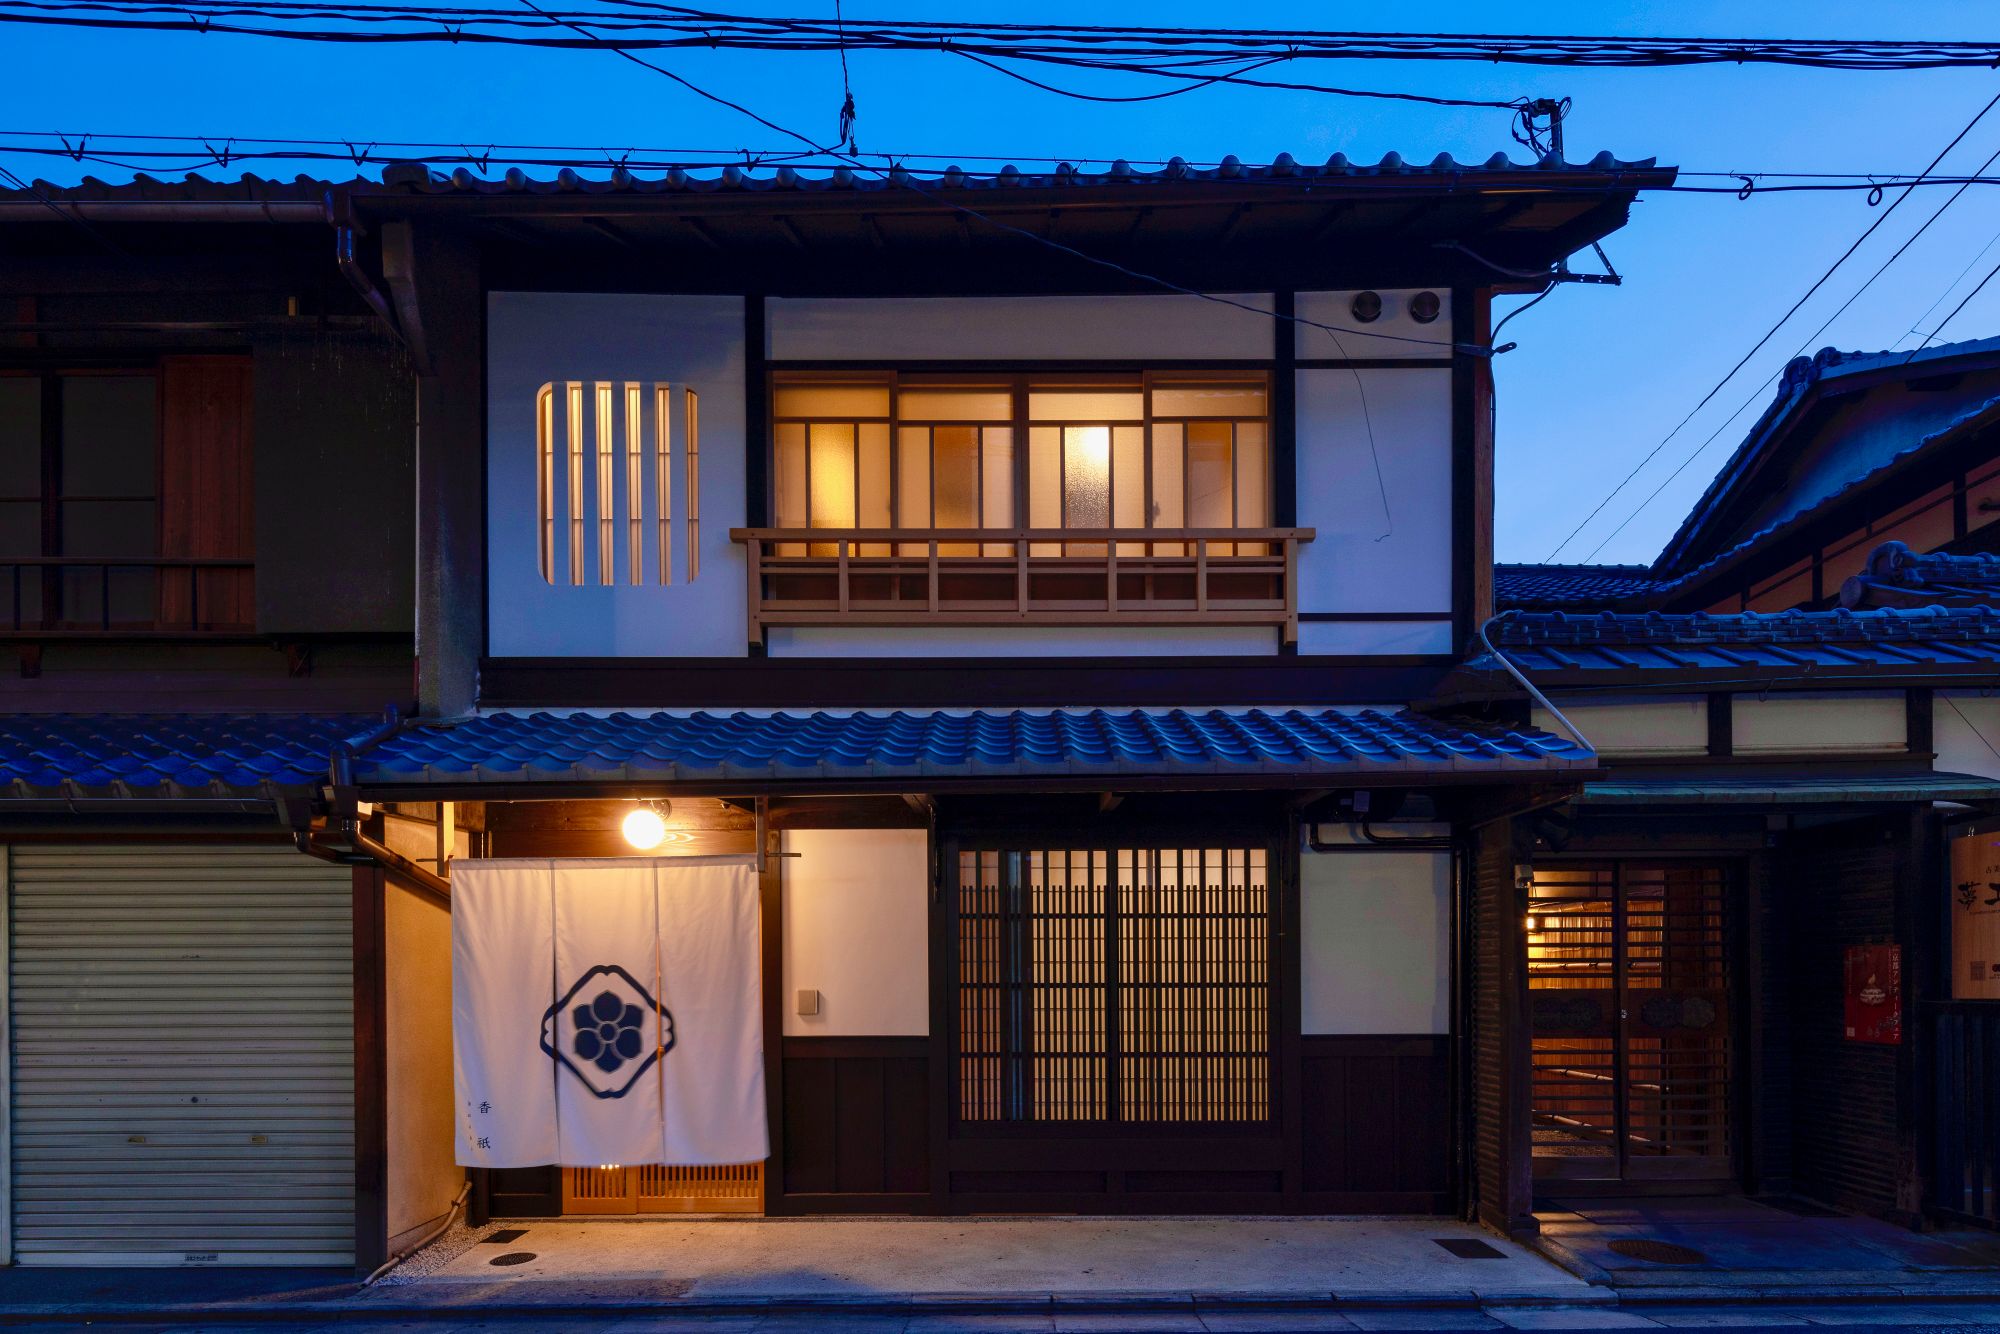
[[512, 1258], [1657, 1252], [1470, 1248], [503, 1236]]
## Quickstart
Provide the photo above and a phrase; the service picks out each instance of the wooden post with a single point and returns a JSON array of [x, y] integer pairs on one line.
[[371, 1073]]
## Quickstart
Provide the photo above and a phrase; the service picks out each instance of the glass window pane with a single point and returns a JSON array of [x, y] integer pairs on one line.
[[20, 528], [1128, 476], [956, 470], [997, 462], [20, 436], [1253, 476], [108, 528], [1173, 399], [1168, 446], [1085, 405], [1086, 477], [874, 500], [913, 487], [1210, 475], [831, 450], [791, 479], [1044, 477], [833, 400], [956, 405], [110, 430]]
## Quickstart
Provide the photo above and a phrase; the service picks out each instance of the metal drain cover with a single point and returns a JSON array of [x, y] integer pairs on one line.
[[512, 1258], [503, 1236], [1657, 1252], [1470, 1248]]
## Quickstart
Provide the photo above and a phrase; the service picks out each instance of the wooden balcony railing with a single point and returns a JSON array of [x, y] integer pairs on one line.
[[985, 576], [87, 597]]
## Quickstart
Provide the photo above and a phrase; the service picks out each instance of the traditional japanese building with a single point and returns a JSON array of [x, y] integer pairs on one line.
[[1033, 576]]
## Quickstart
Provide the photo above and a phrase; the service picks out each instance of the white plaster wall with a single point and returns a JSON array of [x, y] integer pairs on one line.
[[1965, 731], [1020, 328], [690, 342], [1361, 637], [981, 641], [1824, 723], [1395, 334], [1677, 726], [1369, 555], [1374, 941], [856, 929]]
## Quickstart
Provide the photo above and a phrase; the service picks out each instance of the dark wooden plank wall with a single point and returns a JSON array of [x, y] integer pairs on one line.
[[206, 491], [1838, 889], [1376, 1124], [855, 1126], [1503, 1194]]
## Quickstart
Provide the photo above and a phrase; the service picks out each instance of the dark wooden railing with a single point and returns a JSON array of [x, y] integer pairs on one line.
[[1965, 1072], [94, 597], [1038, 576]]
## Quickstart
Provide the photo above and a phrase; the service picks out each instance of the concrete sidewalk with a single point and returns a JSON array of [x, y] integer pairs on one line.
[[1737, 1249]]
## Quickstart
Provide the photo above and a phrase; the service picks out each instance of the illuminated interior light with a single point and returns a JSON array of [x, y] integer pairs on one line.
[[644, 829]]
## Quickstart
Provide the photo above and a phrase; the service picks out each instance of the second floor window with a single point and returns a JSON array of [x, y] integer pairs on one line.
[[1147, 455]]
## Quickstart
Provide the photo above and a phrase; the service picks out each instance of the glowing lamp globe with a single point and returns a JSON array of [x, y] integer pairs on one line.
[[644, 829]]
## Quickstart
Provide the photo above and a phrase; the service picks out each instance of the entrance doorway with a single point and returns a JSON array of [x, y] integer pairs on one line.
[[1628, 977]]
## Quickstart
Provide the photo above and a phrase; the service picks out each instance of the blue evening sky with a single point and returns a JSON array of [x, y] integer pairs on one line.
[[1602, 374]]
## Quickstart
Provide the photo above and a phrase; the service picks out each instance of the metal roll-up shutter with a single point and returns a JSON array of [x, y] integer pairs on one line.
[[183, 1043]]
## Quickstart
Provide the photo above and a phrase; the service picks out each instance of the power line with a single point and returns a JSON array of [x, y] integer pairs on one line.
[[1770, 333], [681, 25], [1804, 343]]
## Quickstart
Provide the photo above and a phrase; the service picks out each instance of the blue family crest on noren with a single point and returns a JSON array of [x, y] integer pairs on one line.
[[597, 1030]]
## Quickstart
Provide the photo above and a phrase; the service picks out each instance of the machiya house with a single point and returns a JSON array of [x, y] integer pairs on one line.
[[914, 695]]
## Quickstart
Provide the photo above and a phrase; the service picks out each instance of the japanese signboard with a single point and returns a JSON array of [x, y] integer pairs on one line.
[[1874, 994], [1975, 917]]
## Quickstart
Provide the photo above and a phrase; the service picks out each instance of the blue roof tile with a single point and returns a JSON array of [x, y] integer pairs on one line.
[[740, 745], [1889, 638], [1568, 587], [171, 754]]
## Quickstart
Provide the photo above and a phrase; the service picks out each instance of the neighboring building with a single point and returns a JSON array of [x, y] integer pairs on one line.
[[1060, 630], [1760, 951]]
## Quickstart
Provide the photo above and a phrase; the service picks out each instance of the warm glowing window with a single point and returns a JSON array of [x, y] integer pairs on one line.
[[1124, 453], [604, 481]]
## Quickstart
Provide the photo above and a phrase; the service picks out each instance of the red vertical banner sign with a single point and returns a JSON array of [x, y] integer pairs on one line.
[[1873, 994]]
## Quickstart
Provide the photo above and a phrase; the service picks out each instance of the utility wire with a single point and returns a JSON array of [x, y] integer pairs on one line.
[[1804, 344], [1770, 333]]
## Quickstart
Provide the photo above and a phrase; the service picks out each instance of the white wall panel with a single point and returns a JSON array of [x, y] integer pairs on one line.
[[1395, 334], [1020, 328], [1676, 726], [1375, 942], [688, 342], [1382, 545], [1824, 723], [856, 930], [1359, 637], [1965, 731], [984, 641]]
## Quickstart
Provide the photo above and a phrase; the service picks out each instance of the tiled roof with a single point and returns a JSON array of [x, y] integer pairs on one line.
[[1896, 576], [1979, 418], [1567, 587], [1800, 379], [170, 755], [1776, 643], [835, 746], [400, 177]]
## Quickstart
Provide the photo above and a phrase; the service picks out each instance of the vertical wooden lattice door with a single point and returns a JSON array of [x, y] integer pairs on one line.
[[1629, 1004], [1119, 986]]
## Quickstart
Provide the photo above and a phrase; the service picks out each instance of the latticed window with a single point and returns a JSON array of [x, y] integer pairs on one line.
[[1114, 985], [604, 481]]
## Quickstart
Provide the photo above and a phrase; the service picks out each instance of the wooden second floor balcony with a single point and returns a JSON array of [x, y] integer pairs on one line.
[[125, 597], [1028, 576]]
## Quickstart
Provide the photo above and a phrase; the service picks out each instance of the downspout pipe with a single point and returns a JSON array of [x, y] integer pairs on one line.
[[340, 217], [1521, 679]]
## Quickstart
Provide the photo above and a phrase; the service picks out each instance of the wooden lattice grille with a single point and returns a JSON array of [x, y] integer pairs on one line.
[[655, 1189], [1124, 985], [1629, 981]]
